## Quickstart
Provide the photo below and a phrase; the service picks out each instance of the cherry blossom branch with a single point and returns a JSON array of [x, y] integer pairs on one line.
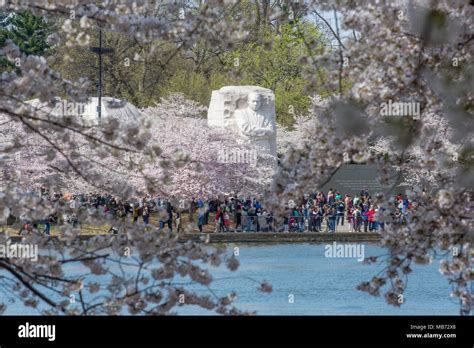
[[38, 293]]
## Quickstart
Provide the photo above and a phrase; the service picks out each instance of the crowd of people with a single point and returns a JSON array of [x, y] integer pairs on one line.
[[314, 213], [317, 212], [109, 207]]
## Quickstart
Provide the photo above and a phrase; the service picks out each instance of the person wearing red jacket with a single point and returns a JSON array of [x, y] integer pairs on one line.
[[371, 218], [220, 221]]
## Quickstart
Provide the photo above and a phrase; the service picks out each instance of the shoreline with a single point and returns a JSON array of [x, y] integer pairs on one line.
[[257, 237], [281, 237]]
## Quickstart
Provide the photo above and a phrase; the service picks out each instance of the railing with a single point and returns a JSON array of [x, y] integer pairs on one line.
[[283, 224]]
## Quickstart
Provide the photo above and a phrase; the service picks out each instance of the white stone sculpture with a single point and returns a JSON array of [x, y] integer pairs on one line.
[[87, 112], [248, 111], [111, 108]]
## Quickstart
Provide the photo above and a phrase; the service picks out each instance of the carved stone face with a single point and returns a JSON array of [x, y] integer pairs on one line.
[[254, 101]]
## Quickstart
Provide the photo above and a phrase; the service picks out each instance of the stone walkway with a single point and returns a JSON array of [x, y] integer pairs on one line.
[[281, 237]]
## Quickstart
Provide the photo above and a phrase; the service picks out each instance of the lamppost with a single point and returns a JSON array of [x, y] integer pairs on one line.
[[100, 51]]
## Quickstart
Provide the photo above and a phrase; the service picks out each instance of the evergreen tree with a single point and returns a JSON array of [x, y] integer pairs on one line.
[[27, 31]]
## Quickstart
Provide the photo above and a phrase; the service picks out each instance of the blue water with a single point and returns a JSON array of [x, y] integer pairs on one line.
[[325, 286], [318, 285]]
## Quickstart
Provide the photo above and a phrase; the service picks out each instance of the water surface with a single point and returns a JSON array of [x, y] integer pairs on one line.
[[317, 284]]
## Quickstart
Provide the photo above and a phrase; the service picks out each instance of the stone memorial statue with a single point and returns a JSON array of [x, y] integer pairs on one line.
[[248, 111]]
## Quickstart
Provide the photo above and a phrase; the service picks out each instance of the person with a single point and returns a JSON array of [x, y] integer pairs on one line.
[[244, 217], [258, 217], [371, 218], [285, 224], [199, 203], [405, 208], [347, 199], [216, 219], [297, 220], [306, 213], [356, 219], [331, 198], [365, 219], [332, 220], [325, 218], [206, 213], [178, 221], [292, 224], [355, 201], [145, 213], [74, 220], [269, 220], [226, 221], [120, 212], [314, 217], [365, 204], [238, 216], [375, 223], [379, 216], [26, 227], [200, 218], [319, 218], [47, 226], [220, 220], [250, 219], [164, 215], [135, 213], [350, 219], [330, 216], [340, 212]]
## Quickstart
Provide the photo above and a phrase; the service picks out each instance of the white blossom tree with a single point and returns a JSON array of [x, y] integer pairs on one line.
[[121, 159], [412, 52]]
